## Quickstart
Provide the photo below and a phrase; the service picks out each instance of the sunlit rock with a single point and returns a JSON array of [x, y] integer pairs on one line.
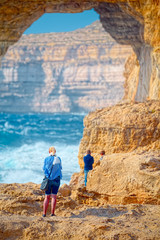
[[21, 217], [77, 71], [129, 22], [121, 128], [65, 190]]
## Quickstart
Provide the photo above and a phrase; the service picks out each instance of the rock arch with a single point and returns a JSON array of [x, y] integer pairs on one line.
[[129, 22]]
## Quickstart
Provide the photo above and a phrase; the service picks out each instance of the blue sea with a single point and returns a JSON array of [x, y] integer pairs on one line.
[[26, 138]]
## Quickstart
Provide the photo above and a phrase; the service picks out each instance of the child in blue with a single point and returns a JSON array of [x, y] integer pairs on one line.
[[88, 165]]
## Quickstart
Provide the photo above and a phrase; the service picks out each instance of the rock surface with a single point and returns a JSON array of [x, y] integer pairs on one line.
[[130, 22], [127, 178], [132, 129], [122, 197], [21, 210], [122, 128], [129, 173], [77, 71]]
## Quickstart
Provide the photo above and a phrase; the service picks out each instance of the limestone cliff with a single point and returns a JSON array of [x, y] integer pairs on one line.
[[135, 23], [130, 136], [129, 133], [122, 197], [76, 71], [122, 128]]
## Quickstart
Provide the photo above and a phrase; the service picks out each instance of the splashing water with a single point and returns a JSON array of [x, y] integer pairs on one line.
[[24, 143]]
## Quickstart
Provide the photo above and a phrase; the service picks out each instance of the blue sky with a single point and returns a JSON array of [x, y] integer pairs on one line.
[[62, 22]]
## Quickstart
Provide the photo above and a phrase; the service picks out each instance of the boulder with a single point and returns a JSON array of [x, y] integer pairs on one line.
[[65, 190], [127, 178]]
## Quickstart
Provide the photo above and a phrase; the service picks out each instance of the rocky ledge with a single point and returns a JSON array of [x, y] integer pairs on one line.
[[122, 128], [122, 198], [130, 136], [21, 217]]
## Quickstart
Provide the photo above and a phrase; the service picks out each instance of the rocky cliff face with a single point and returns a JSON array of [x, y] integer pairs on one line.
[[63, 72], [135, 23], [130, 136], [122, 128], [122, 197], [129, 133]]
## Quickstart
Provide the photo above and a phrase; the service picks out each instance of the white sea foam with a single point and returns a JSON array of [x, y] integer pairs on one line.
[[24, 164], [8, 126]]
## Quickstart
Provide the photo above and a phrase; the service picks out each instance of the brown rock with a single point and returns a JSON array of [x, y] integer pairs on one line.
[[127, 178], [131, 74], [129, 22], [65, 190], [77, 180], [121, 128], [74, 220]]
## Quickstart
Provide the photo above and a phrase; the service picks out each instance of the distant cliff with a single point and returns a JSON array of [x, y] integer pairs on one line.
[[76, 71]]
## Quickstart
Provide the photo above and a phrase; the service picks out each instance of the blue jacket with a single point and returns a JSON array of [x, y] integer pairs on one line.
[[88, 162], [57, 167]]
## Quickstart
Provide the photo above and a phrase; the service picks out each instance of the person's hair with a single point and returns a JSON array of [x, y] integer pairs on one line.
[[52, 150], [88, 152], [102, 152]]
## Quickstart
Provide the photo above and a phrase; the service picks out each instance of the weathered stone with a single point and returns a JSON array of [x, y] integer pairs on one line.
[[121, 128], [77, 180], [129, 22], [65, 190], [127, 178], [131, 73], [132, 27], [21, 217], [129, 172], [77, 71]]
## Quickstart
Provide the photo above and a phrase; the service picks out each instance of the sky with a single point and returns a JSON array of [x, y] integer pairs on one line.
[[62, 22]]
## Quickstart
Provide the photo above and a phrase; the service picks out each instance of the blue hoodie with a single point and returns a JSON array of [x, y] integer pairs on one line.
[[88, 162]]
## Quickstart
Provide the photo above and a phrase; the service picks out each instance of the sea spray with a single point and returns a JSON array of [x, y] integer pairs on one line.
[[24, 143]]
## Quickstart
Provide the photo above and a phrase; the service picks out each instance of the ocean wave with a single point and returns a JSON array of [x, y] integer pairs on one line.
[[7, 126], [24, 164], [24, 143]]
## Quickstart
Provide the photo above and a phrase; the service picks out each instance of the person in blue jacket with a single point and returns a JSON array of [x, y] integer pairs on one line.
[[88, 165], [52, 170]]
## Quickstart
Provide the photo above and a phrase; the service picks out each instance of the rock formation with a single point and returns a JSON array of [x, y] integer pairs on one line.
[[126, 178], [129, 22], [122, 128], [121, 200], [77, 71], [21, 217], [130, 136], [129, 133]]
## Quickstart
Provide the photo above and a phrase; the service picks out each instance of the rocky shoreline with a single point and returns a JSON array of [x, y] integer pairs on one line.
[[122, 198]]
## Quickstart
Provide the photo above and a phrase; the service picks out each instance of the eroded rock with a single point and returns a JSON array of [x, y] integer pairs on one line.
[[127, 178], [74, 220], [65, 190], [121, 128], [76, 71], [129, 22]]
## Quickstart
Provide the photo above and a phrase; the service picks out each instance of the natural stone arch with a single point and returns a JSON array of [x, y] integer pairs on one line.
[[129, 22]]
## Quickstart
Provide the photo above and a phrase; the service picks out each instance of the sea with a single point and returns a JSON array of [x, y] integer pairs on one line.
[[26, 138]]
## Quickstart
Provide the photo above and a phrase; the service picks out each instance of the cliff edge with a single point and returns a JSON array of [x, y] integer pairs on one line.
[[122, 197]]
